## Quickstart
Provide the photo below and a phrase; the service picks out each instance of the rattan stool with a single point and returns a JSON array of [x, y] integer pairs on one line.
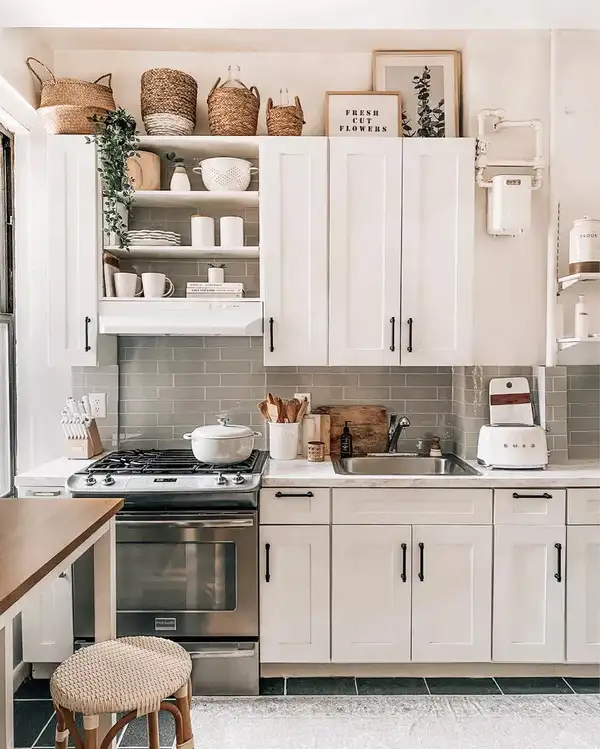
[[131, 675]]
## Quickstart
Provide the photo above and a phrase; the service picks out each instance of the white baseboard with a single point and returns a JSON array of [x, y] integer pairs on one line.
[[20, 673]]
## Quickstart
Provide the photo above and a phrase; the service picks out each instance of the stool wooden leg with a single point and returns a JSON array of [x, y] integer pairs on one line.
[[62, 733], [183, 698], [121, 723], [153, 739], [69, 720], [91, 723]]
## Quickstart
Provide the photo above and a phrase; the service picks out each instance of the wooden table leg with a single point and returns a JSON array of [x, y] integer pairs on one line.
[[6, 686], [105, 599]]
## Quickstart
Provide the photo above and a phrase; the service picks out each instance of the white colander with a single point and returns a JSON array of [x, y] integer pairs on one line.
[[224, 173]]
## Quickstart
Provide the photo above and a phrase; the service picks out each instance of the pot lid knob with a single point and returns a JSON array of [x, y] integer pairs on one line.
[[223, 420]]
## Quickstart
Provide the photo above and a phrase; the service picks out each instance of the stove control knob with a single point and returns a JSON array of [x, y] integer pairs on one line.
[[90, 480], [238, 479], [108, 480], [220, 480]]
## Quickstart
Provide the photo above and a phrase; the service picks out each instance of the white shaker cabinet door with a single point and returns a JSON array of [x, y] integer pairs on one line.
[[75, 239], [294, 594], [365, 191], [529, 594], [583, 594], [294, 250], [438, 215], [371, 589], [452, 593], [47, 622]]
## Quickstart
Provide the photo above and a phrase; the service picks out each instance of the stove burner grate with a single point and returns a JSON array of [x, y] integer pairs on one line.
[[173, 462]]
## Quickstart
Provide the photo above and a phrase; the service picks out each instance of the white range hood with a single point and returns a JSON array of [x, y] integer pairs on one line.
[[181, 317]]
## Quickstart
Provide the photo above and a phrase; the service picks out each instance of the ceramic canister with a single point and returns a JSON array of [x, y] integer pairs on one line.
[[232, 231], [203, 231], [584, 246]]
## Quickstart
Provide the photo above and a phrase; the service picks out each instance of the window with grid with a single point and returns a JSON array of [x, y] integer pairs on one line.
[[7, 384]]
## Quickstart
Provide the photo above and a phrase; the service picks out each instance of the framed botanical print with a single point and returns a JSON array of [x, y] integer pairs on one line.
[[429, 83], [356, 113]]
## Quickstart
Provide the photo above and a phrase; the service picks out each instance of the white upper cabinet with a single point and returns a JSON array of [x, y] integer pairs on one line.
[[294, 250], [452, 593], [529, 594], [74, 238], [365, 242], [438, 213], [583, 594]]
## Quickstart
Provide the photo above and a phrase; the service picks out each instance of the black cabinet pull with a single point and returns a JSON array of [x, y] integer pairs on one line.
[[545, 495], [393, 321], [403, 575], [279, 495], [87, 334], [558, 573], [271, 346], [267, 563], [421, 562], [409, 348]]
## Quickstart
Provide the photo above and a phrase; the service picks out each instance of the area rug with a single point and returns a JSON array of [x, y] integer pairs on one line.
[[398, 722]]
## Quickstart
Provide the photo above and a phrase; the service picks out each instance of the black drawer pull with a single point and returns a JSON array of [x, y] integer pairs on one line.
[[421, 562], [393, 321], [545, 495], [267, 563], [279, 495], [558, 573], [409, 348], [271, 345], [403, 575], [87, 334]]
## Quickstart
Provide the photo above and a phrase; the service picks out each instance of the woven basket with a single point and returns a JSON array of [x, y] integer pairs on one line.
[[168, 99], [285, 120], [233, 111], [69, 119]]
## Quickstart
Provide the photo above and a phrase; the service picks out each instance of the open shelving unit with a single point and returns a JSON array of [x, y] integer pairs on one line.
[[194, 198], [567, 281], [180, 252]]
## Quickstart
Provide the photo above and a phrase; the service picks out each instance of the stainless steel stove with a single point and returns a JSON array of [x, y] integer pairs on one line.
[[187, 559]]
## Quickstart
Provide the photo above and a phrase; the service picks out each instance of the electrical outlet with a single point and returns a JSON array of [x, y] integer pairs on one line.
[[308, 398], [98, 405]]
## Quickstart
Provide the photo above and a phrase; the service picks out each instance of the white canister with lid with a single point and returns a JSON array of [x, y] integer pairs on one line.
[[203, 231], [232, 231], [584, 246]]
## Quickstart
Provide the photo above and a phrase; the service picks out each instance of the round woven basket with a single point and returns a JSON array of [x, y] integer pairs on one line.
[[168, 92], [69, 119], [285, 120], [233, 111]]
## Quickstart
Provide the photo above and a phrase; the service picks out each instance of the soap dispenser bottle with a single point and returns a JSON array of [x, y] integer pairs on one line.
[[582, 325], [346, 442]]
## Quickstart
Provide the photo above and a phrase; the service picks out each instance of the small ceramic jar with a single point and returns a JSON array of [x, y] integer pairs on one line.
[[316, 452]]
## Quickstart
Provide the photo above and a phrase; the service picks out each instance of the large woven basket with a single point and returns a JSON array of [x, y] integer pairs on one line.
[[168, 99], [66, 104], [285, 120], [233, 111]]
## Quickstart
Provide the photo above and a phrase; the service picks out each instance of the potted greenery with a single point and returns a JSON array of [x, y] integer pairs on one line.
[[116, 140], [179, 178]]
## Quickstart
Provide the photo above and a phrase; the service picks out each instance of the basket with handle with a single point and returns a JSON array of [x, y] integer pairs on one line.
[[233, 111], [66, 104], [285, 120], [168, 99]]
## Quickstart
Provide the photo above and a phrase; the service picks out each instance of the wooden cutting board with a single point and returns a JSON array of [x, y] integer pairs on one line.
[[368, 426]]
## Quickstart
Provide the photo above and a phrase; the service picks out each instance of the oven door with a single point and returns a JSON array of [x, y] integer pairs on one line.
[[181, 575]]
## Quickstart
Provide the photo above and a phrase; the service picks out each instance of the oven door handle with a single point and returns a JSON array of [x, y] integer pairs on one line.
[[233, 523], [197, 655]]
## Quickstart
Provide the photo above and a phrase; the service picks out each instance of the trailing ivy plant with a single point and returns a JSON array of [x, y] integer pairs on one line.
[[116, 139]]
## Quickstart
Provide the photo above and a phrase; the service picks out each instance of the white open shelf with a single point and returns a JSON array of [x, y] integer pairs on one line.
[[565, 343], [574, 278], [202, 146], [186, 253], [194, 198]]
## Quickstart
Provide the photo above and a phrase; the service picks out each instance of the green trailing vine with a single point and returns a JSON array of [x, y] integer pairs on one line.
[[116, 139], [431, 120]]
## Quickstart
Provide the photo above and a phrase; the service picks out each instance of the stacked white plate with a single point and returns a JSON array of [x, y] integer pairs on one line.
[[153, 238]]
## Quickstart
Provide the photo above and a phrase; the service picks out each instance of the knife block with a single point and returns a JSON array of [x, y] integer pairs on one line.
[[81, 449]]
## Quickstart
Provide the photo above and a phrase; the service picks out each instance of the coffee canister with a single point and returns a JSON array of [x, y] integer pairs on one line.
[[203, 231], [232, 231], [584, 246]]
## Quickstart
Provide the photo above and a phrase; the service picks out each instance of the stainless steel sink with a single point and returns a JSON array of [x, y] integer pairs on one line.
[[403, 465]]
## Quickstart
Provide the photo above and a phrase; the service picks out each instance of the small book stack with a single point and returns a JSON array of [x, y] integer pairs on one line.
[[203, 290]]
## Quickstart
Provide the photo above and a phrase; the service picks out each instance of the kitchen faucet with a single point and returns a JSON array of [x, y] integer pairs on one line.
[[397, 425]]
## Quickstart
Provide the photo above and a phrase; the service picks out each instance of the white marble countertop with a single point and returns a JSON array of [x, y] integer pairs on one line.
[[54, 473]]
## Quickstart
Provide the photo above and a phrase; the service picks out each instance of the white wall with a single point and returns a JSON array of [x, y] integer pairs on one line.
[[16, 45]]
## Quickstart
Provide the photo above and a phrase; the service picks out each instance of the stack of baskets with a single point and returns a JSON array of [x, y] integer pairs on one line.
[[168, 101], [67, 104], [285, 120], [233, 110]]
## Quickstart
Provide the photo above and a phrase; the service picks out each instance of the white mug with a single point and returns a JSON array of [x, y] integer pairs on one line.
[[127, 284], [154, 285]]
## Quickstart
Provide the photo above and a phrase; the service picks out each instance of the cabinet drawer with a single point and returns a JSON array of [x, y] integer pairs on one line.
[[42, 492], [529, 506], [583, 506], [412, 506], [294, 506]]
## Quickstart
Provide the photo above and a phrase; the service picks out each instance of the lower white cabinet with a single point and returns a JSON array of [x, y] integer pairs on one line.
[[529, 594], [583, 594], [47, 623], [294, 594], [371, 600], [452, 593]]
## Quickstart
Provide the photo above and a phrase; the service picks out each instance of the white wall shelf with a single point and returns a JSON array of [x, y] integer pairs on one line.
[[186, 253], [574, 278], [565, 343], [202, 146], [193, 198]]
